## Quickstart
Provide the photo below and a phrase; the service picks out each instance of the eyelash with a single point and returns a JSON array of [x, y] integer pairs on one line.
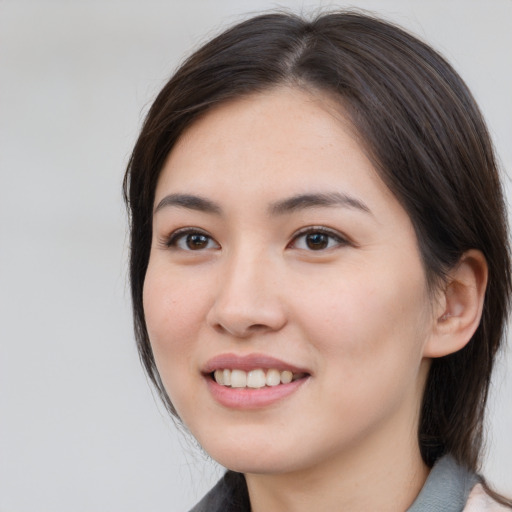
[[176, 237]]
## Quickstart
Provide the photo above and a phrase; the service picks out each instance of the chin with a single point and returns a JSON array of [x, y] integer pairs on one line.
[[242, 465], [250, 459]]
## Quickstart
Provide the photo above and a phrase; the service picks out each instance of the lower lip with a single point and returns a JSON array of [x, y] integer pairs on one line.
[[252, 398]]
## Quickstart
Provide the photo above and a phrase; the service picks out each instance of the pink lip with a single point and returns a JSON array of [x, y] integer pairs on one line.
[[249, 362], [247, 398]]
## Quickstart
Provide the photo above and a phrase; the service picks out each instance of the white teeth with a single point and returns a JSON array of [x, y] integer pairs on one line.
[[238, 379], [219, 377], [286, 377], [273, 378], [255, 378]]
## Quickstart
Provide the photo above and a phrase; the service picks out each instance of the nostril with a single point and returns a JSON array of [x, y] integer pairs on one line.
[[257, 327]]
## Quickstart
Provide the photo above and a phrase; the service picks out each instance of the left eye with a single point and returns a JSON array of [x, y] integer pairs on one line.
[[192, 241], [317, 240]]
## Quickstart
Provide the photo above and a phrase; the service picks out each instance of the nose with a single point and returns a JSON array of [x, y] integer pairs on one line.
[[249, 299]]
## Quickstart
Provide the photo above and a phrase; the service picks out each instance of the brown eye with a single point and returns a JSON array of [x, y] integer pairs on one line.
[[317, 241], [197, 241], [191, 240]]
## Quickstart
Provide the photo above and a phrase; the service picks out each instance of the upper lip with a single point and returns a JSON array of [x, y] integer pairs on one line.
[[249, 362]]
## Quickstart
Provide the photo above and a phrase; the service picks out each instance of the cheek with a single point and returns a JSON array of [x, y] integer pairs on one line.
[[173, 315], [370, 322], [174, 310], [370, 334]]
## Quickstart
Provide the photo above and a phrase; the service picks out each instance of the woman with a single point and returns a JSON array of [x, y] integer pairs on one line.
[[319, 266]]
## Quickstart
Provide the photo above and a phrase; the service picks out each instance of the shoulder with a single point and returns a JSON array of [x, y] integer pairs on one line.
[[480, 501]]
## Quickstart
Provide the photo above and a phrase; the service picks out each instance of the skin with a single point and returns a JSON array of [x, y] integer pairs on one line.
[[356, 315]]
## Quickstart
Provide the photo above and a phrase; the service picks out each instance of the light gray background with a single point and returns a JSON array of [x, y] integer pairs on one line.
[[79, 428]]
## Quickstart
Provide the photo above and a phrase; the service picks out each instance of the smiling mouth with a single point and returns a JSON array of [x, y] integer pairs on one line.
[[254, 379]]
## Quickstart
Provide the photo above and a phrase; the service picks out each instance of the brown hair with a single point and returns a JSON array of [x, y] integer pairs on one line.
[[427, 140]]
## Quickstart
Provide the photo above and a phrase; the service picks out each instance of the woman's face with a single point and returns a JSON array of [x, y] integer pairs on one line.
[[276, 249]]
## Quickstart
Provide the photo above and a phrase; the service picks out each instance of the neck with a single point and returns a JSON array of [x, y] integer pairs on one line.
[[384, 475]]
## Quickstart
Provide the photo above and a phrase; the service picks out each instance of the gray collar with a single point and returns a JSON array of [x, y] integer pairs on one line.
[[447, 488]]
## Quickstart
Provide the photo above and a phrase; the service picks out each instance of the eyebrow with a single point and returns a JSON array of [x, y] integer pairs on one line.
[[304, 201], [288, 205], [190, 202]]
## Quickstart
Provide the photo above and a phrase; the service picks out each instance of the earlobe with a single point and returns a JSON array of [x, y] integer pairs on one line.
[[460, 306]]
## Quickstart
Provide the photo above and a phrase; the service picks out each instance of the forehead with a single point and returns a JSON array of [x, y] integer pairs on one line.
[[268, 145]]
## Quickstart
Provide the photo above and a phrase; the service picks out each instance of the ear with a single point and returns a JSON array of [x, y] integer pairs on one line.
[[459, 308]]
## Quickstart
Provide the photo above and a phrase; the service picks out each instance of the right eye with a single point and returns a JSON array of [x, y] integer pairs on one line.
[[191, 240]]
